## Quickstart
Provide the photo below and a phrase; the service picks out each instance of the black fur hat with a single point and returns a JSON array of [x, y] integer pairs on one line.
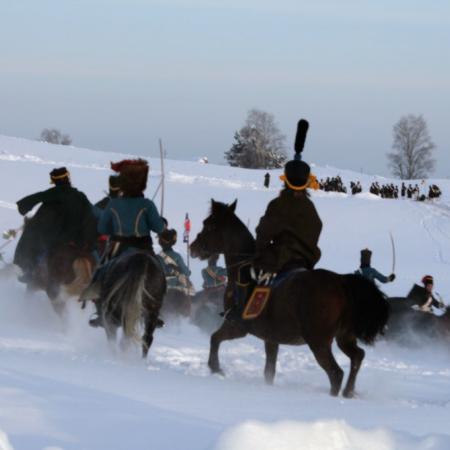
[[297, 172], [114, 184], [60, 176], [167, 238], [366, 255]]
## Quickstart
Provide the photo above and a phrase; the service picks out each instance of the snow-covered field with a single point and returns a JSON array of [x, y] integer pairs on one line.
[[61, 387]]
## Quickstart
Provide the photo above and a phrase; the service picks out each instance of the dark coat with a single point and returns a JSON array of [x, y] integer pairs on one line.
[[288, 233], [65, 217], [419, 296]]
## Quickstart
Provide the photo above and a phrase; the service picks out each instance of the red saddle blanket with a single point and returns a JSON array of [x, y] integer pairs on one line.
[[256, 302]]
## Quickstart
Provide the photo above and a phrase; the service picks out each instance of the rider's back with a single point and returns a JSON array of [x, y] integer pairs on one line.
[[135, 216]]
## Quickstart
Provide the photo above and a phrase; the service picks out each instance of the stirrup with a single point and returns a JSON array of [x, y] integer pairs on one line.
[[265, 278]]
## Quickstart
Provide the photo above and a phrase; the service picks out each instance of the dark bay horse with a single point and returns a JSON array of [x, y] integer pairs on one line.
[[409, 325], [308, 307], [177, 303], [131, 293]]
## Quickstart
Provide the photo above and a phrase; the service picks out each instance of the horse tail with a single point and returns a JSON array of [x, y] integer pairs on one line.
[[127, 293], [369, 309]]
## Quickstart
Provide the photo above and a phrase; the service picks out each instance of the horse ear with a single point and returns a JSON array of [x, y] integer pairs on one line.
[[232, 206], [213, 205]]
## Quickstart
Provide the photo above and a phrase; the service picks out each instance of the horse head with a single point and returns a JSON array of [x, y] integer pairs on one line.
[[212, 239]]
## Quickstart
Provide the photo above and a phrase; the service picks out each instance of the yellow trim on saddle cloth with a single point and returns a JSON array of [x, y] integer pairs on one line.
[[257, 302], [312, 183]]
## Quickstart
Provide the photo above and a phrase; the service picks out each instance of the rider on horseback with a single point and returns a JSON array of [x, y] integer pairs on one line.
[[127, 220], [423, 296], [65, 217], [213, 275], [287, 235], [367, 271], [176, 272], [113, 192]]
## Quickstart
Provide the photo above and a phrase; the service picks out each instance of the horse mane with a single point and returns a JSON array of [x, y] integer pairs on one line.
[[227, 213]]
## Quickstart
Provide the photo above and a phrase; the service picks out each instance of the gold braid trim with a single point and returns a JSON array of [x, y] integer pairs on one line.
[[59, 177]]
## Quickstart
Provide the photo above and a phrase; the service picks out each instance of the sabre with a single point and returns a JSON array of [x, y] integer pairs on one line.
[[393, 252]]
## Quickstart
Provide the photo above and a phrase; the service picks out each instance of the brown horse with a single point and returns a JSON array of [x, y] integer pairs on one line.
[[64, 272], [311, 307]]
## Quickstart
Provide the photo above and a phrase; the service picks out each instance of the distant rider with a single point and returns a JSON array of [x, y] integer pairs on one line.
[[175, 269], [367, 271], [213, 275], [423, 296]]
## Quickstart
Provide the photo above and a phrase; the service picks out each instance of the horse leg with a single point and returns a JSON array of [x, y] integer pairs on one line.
[[356, 354], [226, 332], [325, 358], [53, 291], [111, 332], [271, 361], [147, 339]]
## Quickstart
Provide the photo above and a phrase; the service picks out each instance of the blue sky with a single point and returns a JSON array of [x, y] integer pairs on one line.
[[117, 75]]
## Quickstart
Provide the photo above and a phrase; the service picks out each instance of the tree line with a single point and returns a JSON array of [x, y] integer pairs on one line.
[[259, 144]]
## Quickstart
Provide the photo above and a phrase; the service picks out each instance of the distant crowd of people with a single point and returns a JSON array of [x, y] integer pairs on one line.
[[333, 184], [415, 192], [390, 190]]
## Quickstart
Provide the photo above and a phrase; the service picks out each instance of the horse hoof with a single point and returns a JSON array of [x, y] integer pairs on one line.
[[217, 371], [348, 394], [334, 392]]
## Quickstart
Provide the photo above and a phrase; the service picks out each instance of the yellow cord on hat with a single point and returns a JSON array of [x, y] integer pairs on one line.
[[312, 183], [59, 177]]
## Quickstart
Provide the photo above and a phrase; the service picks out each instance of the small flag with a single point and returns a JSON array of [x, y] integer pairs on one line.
[[187, 228]]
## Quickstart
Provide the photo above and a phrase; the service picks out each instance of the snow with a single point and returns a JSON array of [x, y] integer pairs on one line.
[[62, 387]]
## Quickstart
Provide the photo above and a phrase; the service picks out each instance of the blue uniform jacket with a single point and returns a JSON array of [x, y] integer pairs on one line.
[[125, 216], [372, 274]]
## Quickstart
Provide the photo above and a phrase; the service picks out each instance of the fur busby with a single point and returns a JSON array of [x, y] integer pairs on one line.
[[366, 255], [427, 279], [60, 176], [297, 172], [133, 174], [167, 238], [114, 185]]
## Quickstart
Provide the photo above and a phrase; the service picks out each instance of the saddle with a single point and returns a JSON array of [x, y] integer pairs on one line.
[[260, 294]]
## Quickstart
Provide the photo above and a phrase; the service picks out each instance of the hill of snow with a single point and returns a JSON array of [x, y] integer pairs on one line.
[[61, 387]]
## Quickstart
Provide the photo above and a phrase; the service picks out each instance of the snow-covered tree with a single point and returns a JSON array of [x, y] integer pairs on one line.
[[259, 144]]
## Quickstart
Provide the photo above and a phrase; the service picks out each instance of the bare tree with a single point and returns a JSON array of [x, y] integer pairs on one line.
[[54, 136], [259, 144], [412, 157]]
